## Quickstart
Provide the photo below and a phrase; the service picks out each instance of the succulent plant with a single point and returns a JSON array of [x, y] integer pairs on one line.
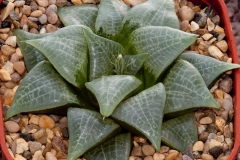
[[117, 70]]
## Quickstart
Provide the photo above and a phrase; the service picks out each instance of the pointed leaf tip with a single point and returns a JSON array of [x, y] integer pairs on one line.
[[185, 90], [84, 14], [180, 132], [41, 89], [111, 90], [116, 148], [110, 17], [87, 130], [164, 45], [66, 49], [32, 56], [143, 113], [209, 68]]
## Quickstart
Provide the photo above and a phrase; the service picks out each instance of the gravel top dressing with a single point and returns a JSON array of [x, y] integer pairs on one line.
[[35, 136]]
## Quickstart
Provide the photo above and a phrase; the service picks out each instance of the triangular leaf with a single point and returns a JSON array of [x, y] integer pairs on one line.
[[84, 14], [87, 129], [180, 132], [164, 45], [111, 90], [210, 68], [143, 113], [42, 88], [67, 50], [132, 63], [185, 90], [116, 148], [102, 54], [110, 17], [149, 13], [32, 56]]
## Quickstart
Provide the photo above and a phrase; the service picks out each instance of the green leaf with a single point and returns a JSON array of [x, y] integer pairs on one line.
[[32, 56], [87, 129], [143, 113], [67, 50], [84, 14], [102, 54], [111, 90], [110, 17], [116, 148], [42, 88], [180, 132], [149, 13], [132, 63], [210, 68], [164, 45], [185, 90]]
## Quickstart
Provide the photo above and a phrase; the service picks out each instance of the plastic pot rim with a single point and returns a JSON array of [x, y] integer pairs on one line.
[[221, 9]]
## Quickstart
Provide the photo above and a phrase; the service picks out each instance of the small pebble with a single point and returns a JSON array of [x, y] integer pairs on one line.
[[50, 28], [21, 145], [148, 150], [13, 15], [206, 120], [19, 67], [207, 157], [11, 126], [137, 151], [198, 146], [36, 13], [4, 75], [216, 151], [19, 3], [7, 50], [194, 26], [158, 156], [12, 41], [46, 122], [27, 154], [215, 52], [52, 17], [7, 10], [61, 3], [42, 19], [35, 146], [58, 145], [42, 3], [50, 156]]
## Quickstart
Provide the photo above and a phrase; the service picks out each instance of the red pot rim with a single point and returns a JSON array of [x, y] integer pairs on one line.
[[220, 7]]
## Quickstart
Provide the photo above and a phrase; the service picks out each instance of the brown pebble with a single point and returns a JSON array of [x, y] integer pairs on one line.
[[36, 13], [207, 157], [148, 158], [26, 10], [136, 151], [46, 122], [206, 120], [52, 17], [186, 13], [19, 67], [58, 145], [61, 3], [172, 156], [11, 126], [7, 50], [148, 150], [164, 149], [39, 134], [50, 28], [32, 24], [5, 75], [158, 156]]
